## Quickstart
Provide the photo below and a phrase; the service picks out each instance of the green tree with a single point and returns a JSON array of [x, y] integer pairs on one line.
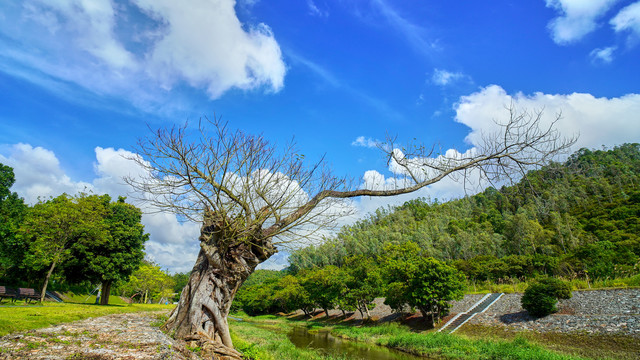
[[12, 211], [364, 282], [324, 286], [181, 280], [113, 257], [420, 282], [290, 295], [149, 282], [52, 227]]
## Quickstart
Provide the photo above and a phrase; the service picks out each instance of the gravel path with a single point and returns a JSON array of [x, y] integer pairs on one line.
[[120, 336]]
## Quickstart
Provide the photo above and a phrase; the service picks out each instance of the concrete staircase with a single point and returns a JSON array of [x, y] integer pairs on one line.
[[477, 308]]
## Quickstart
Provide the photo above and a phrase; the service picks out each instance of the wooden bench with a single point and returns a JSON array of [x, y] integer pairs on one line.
[[9, 293], [28, 294]]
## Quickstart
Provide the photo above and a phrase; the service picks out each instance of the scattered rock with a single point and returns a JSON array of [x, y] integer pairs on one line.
[[120, 336]]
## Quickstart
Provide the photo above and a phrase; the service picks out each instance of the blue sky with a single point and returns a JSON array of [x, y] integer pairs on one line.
[[80, 81]]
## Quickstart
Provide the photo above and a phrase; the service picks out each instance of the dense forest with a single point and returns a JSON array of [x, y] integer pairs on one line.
[[576, 220], [580, 218]]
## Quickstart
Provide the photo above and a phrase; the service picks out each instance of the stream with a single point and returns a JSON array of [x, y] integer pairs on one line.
[[324, 342]]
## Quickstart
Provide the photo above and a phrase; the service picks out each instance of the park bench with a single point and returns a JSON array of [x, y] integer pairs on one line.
[[28, 294], [6, 292]]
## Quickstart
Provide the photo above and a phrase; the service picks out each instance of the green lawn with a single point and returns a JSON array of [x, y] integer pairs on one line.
[[21, 317]]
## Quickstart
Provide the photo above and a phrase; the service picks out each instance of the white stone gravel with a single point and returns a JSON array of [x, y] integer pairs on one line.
[[120, 336]]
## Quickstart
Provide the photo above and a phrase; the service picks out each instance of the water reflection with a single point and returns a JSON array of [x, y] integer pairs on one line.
[[327, 343]]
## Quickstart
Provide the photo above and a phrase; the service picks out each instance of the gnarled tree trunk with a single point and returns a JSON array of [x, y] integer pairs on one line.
[[223, 264]]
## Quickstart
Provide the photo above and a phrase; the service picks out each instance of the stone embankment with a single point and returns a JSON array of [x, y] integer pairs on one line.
[[595, 312]]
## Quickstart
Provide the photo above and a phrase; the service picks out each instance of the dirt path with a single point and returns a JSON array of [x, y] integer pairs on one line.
[[119, 336]]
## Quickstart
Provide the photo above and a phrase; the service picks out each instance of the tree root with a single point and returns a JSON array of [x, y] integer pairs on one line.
[[210, 349]]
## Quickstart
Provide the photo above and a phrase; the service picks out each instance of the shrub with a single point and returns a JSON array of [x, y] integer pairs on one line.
[[541, 297]]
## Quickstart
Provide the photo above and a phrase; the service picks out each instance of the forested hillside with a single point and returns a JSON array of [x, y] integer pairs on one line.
[[576, 219]]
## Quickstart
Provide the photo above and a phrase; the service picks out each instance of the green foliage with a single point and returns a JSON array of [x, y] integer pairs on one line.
[[118, 252], [274, 344], [541, 297], [52, 227], [148, 283], [324, 286], [181, 280], [364, 281], [577, 219], [12, 211], [419, 282]]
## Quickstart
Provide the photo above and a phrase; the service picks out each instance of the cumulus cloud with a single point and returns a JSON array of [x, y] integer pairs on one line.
[[206, 45], [576, 19], [38, 173], [628, 19], [365, 142], [141, 50], [598, 121], [444, 77]]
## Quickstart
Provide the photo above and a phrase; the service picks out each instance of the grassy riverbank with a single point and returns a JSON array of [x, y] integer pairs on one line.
[[14, 318], [592, 346], [430, 345], [267, 339]]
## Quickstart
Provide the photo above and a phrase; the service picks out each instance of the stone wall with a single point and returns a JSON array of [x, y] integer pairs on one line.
[[595, 311]]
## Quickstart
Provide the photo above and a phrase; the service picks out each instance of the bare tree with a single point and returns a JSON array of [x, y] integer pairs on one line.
[[253, 198]]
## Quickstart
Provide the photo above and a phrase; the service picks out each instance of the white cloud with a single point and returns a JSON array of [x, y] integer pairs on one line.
[[628, 19], [206, 45], [38, 173], [444, 77], [604, 55], [111, 49], [365, 142], [576, 18], [598, 121]]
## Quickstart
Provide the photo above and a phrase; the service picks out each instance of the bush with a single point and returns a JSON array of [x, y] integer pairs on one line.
[[541, 297]]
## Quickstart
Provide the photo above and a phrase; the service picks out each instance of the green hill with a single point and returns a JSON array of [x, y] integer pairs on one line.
[[574, 219]]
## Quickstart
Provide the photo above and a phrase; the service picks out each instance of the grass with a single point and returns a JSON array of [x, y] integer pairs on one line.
[[14, 318], [434, 345], [586, 345], [268, 341], [515, 285], [444, 346]]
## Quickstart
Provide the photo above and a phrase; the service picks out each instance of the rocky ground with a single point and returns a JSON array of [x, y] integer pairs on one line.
[[120, 336], [594, 312]]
